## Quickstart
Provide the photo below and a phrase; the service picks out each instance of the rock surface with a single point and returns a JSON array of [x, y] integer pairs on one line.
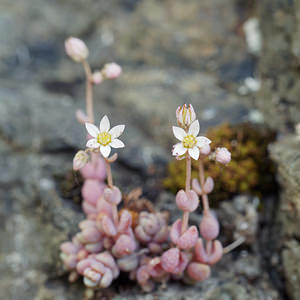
[[171, 52], [286, 154], [278, 98]]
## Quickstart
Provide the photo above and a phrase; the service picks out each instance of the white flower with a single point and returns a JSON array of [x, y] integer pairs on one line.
[[189, 141], [104, 137]]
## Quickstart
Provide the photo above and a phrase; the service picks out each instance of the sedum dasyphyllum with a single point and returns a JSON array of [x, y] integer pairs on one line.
[[113, 238]]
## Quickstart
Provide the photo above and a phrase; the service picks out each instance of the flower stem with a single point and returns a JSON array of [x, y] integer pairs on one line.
[[110, 184], [202, 181], [89, 91], [234, 245], [185, 217]]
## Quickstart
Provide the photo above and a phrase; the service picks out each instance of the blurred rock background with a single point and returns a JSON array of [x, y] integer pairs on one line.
[[234, 60]]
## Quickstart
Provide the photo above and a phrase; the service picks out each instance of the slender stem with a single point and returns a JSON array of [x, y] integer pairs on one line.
[[185, 217], [110, 184], [208, 247], [109, 174], [89, 91], [202, 181], [234, 245]]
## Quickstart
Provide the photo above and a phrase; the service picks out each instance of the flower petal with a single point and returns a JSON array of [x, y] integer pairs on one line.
[[179, 133], [116, 143], [117, 131], [105, 150], [194, 128], [194, 153], [202, 141], [92, 129], [92, 143], [178, 149], [104, 124]]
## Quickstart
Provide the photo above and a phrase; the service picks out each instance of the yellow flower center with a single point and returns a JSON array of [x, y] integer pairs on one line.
[[104, 138], [189, 141]]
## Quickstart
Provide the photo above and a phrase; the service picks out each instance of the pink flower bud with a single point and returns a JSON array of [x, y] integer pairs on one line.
[[112, 195], [111, 71], [97, 77], [208, 185], [80, 160], [76, 49], [187, 201], [81, 117], [223, 156], [170, 260], [92, 190], [205, 149], [185, 115], [198, 272], [209, 227]]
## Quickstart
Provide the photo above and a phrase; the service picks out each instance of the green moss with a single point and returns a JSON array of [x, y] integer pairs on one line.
[[250, 170]]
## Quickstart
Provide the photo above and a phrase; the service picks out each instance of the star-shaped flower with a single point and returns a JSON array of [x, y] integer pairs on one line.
[[104, 137], [189, 140]]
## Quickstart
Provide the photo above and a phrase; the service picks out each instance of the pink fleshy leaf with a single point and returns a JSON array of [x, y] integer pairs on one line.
[[88, 208], [107, 279], [162, 235], [175, 231], [184, 259], [170, 260], [107, 260], [108, 226], [216, 253], [141, 234], [128, 263], [104, 207], [83, 265], [94, 169], [142, 275], [91, 191], [69, 248], [187, 201], [97, 266], [188, 239], [124, 245], [196, 186], [209, 227], [94, 247], [112, 195], [91, 235], [208, 185], [198, 272], [125, 221], [200, 252]]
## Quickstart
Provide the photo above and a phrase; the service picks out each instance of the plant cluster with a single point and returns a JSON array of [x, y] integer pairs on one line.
[[250, 171], [142, 243]]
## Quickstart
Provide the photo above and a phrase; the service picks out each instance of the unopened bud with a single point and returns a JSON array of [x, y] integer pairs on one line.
[[80, 160], [223, 156], [97, 77], [76, 49], [205, 150], [185, 115], [111, 71]]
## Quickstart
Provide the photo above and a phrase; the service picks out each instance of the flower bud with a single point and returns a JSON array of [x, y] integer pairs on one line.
[[205, 149], [185, 115], [187, 201], [112, 195], [76, 49], [80, 160], [209, 227], [97, 77], [111, 71], [223, 156]]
